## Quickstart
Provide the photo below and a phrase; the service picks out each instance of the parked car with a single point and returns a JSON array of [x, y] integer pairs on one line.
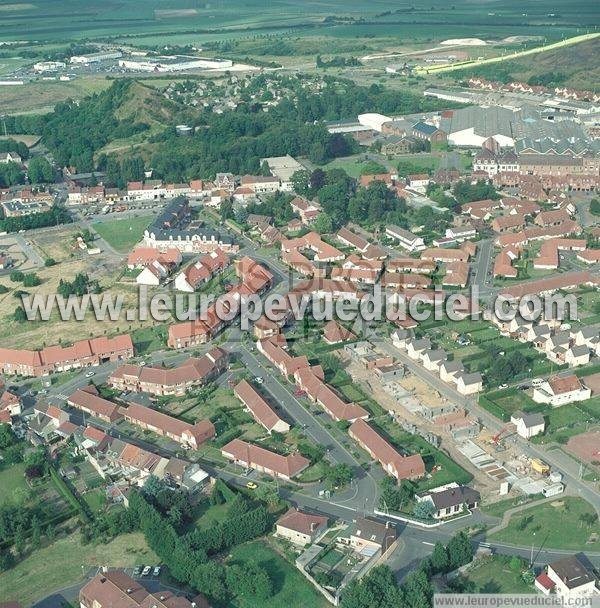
[[146, 570], [90, 374], [258, 380], [156, 571], [251, 485], [138, 570]]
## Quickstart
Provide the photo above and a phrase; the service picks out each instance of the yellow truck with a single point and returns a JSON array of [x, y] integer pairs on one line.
[[539, 466]]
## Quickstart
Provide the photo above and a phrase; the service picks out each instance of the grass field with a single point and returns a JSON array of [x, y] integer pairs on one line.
[[292, 590], [12, 479], [537, 525], [59, 565], [494, 575], [123, 234]]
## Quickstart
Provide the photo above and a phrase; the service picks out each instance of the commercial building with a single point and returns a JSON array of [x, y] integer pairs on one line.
[[172, 63]]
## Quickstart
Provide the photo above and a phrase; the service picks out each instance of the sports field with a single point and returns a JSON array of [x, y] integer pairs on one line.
[[123, 234]]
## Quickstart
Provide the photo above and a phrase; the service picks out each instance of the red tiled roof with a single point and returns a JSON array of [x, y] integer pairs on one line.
[[299, 521], [405, 466], [260, 409], [254, 455]]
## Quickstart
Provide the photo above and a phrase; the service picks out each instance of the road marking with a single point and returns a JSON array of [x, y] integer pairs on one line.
[[428, 544]]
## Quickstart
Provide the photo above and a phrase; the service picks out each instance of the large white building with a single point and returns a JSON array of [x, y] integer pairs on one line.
[[373, 120], [175, 63]]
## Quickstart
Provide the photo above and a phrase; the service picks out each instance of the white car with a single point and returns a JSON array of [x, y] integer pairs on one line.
[[258, 380], [156, 571], [146, 570], [90, 374]]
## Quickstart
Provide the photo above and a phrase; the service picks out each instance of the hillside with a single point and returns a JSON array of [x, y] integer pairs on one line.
[[144, 104], [578, 63]]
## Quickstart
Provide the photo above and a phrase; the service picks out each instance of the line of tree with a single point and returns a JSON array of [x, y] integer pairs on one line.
[[187, 555], [54, 216]]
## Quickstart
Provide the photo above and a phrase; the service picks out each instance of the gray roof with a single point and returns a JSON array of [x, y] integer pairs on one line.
[[580, 351], [425, 128], [373, 531], [436, 355], [531, 420], [473, 378], [163, 230], [453, 366], [453, 497], [572, 571], [527, 122]]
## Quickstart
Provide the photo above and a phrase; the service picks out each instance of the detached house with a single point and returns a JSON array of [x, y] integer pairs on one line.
[[558, 391], [450, 500], [299, 527]]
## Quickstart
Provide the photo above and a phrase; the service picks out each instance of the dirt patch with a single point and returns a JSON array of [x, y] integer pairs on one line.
[[586, 447], [593, 383], [428, 396]]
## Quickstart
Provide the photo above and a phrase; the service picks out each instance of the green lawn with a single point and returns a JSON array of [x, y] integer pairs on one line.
[[12, 479], [59, 565], [494, 575], [123, 234], [211, 514], [292, 590], [537, 525], [95, 499]]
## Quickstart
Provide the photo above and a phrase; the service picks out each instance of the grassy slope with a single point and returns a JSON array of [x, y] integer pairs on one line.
[[579, 62], [59, 565], [542, 528]]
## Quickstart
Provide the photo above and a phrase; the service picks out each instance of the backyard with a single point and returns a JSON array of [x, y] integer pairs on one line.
[[291, 589], [495, 575]]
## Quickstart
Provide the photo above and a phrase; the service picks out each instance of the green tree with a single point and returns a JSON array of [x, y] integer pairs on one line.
[[323, 223], [19, 315], [460, 550], [595, 206], [339, 475], [40, 171], [439, 558], [209, 578], [424, 510]]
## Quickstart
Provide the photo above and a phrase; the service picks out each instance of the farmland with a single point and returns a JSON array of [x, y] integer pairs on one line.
[[150, 21]]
